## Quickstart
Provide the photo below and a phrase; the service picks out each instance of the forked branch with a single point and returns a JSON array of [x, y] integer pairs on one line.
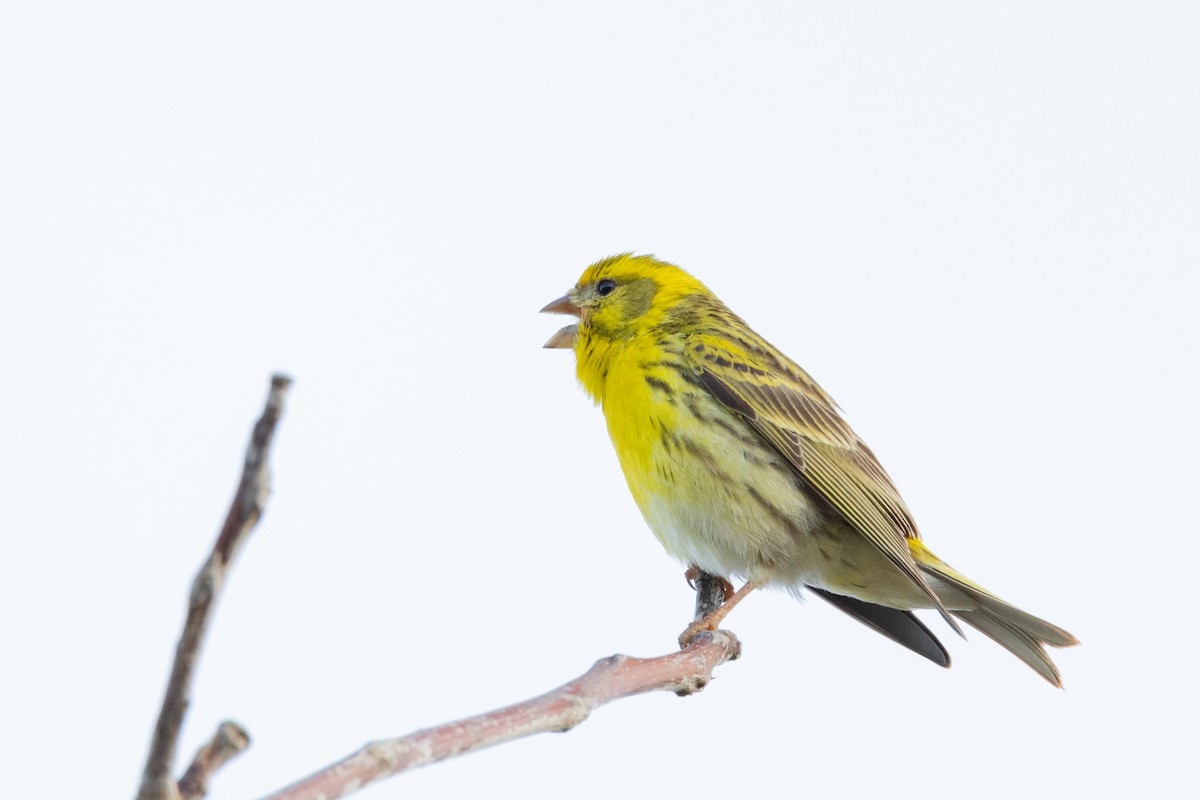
[[244, 513], [561, 709]]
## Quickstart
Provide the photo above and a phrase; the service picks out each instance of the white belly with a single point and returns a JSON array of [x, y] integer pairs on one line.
[[738, 537]]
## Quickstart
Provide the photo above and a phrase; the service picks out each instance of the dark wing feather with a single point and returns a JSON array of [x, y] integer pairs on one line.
[[788, 409], [901, 627]]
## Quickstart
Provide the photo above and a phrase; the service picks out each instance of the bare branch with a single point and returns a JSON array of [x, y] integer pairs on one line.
[[244, 513], [229, 740], [561, 709]]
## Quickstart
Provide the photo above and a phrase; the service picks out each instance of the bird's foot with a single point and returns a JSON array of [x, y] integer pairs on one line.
[[693, 572], [711, 621], [695, 629]]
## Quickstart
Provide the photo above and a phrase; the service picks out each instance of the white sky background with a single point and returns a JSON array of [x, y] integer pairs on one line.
[[975, 225]]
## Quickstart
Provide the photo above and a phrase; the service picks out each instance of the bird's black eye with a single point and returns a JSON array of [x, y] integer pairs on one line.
[[605, 287]]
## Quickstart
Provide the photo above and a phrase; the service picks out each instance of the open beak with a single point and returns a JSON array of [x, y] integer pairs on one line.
[[563, 305], [565, 338]]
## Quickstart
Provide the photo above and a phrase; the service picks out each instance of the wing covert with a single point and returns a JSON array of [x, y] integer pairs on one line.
[[790, 411]]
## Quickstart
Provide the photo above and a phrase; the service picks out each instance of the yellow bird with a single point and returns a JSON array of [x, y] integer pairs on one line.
[[742, 465]]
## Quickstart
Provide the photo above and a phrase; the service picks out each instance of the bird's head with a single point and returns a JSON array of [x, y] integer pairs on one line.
[[619, 298]]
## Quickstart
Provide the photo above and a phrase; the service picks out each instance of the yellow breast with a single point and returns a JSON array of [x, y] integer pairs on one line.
[[712, 491]]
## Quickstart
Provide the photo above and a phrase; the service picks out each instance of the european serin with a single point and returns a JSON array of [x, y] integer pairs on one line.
[[742, 465]]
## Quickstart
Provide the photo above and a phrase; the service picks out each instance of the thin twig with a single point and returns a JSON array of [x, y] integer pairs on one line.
[[244, 513], [229, 740], [561, 709], [710, 594]]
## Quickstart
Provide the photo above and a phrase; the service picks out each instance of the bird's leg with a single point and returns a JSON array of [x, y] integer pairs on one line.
[[710, 622], [693, 572]]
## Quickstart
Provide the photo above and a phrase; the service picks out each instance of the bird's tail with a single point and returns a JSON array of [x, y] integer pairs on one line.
[[1020, 632]]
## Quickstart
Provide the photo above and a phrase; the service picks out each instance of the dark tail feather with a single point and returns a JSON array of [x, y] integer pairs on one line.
[[901, 627]]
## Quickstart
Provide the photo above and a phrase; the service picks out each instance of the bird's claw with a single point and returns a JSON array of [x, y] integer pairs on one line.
[[695, 629], [693, 572]]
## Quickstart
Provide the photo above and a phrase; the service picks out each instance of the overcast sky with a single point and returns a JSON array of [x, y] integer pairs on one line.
[[975, 224]]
